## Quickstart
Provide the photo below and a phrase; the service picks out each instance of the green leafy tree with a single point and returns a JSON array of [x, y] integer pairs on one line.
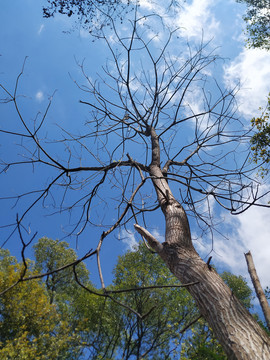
[[105, 328], [74, 322], [257, 18], [80, 309], [51, 255], [94, 16], [30, 327], [260, 141], [239, 287], [166, 311]]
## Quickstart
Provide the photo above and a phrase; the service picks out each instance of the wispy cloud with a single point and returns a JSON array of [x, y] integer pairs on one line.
[[251, 69], [39, 96], [41, 28], [128, 238], [248, 231], [197, 20]]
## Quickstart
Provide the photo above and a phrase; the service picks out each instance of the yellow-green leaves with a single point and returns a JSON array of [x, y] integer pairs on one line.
[[260, 141], [257, 19], [54, 318], [28, 320]]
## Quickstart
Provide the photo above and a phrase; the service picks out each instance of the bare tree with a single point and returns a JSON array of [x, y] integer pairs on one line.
[[153, 126], [258, 288]]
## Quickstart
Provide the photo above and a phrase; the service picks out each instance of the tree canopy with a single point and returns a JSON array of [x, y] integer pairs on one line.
[[75, 324], [257, 20], [260, 141], [30, 327]]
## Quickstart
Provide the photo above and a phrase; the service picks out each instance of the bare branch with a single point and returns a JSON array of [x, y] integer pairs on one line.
[[153, 242]]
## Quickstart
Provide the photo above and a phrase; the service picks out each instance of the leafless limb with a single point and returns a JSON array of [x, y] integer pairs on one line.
[[149, 288]]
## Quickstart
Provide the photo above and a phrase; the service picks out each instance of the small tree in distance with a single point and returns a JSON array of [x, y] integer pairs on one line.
[[154, 149]]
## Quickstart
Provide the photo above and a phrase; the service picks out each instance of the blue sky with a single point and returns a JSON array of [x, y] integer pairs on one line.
[[51, 68]]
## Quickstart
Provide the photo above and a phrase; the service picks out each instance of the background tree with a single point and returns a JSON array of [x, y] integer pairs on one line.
[[85, 313], [257, 18], [260, 141], [82, 324], [149, 137], [30, 327], [166, 310], [51, 255], [107, 330]]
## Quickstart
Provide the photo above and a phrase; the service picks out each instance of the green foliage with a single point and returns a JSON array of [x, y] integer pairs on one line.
[[260, 141], [30, 327], [102, 327], [202, 345], [168, 309], [6, 260], [258, 23], [55, 318], [78, 308], [239, 287], [51, 255]]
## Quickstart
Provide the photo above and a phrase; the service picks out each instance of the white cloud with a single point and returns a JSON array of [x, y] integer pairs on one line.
[[194, 101], [197, 20], [148, 5], [128, 238], [247, 231], [39, 96], [160, 237], [41, 28], [251, 69]]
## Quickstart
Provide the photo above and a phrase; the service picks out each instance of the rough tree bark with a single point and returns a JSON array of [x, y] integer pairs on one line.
[[239, 334], [258, 288]]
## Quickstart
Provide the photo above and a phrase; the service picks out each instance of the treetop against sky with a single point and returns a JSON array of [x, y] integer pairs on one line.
[[56, 56]]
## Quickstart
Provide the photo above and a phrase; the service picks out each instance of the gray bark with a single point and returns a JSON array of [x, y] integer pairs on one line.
[[239, 334], [258, 288]]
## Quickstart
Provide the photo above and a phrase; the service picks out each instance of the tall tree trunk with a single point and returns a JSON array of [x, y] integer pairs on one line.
[[237, 331], [258, 288]]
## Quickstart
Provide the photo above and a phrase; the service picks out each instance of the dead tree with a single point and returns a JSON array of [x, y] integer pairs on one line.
[[258, 288], [157, 139]]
